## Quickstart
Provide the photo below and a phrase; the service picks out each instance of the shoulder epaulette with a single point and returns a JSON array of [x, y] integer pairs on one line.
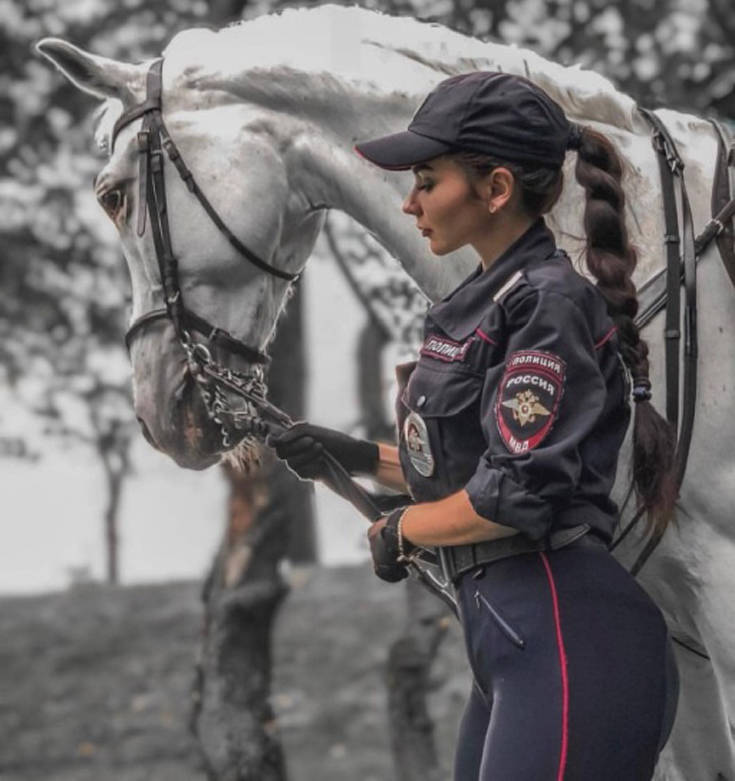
[[508, 285]]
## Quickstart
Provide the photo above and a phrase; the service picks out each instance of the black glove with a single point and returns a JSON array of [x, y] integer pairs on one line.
[[385, 549], [302, 448]]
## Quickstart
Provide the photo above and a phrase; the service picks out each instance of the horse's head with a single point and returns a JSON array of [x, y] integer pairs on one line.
[[234, 249]]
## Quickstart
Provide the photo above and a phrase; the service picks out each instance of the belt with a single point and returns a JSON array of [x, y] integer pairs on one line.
[[458, 559]]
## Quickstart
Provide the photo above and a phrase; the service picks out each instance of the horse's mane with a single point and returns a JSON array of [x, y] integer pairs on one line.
[[387, 54]]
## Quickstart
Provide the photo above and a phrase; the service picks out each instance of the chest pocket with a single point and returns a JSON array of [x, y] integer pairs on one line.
[[440, 392], [441, 438]]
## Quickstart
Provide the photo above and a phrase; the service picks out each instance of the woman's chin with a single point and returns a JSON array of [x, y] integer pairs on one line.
[[439, 249]]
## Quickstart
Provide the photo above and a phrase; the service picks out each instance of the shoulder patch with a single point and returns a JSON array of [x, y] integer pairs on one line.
[[528, 398]]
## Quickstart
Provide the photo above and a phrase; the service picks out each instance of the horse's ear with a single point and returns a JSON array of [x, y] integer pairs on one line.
[[98, 76]]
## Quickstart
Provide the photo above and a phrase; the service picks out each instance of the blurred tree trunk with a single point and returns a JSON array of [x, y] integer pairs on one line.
[[114, 490], [408, 679], [112, 441], [269, 518], [411, 656], [371, 399]]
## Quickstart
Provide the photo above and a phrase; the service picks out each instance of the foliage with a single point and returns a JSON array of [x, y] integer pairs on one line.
[[62, 285]]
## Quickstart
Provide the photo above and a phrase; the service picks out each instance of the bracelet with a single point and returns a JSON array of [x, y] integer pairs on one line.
[[399, 533], [394, 526]]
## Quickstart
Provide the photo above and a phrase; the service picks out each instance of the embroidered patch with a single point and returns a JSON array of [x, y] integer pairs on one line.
[[445, 349], [528, 398], [417, 445]]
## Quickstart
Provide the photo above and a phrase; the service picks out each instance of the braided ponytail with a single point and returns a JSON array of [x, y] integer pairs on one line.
[[611, 260]]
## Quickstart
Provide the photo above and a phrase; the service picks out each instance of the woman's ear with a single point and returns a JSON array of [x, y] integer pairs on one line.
[[499, 187]]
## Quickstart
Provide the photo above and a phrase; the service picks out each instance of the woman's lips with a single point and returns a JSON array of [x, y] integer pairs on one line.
[[425, 232]]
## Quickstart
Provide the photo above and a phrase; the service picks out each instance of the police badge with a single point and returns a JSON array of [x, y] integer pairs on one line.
[[417, 445]]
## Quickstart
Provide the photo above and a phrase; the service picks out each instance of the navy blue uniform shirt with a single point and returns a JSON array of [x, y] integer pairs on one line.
[[519, 395]]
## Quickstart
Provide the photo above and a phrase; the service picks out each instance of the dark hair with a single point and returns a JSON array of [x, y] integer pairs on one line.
[[611, 260]]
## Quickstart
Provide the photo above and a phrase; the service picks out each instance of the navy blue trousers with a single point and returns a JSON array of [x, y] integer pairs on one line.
[[574, 677]]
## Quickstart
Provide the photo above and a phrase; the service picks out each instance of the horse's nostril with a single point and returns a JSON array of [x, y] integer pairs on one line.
[[146, 432]]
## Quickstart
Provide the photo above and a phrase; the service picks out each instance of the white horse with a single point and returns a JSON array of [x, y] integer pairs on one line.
[[265, 114]]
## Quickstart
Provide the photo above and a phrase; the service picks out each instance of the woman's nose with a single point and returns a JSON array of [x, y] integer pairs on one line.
[[410, 205]]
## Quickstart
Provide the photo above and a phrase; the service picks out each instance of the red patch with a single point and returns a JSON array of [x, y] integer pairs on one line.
[[528, 398]]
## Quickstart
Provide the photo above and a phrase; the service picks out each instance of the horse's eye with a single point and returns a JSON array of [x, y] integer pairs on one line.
[[111, 201]]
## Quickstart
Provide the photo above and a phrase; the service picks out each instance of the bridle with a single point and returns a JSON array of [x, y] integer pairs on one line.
[[212, 378]]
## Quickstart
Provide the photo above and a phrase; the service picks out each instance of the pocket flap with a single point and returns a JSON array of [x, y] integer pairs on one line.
[[441, 393]]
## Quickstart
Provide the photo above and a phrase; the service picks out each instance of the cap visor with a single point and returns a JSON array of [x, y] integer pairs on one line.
[[400, 151]]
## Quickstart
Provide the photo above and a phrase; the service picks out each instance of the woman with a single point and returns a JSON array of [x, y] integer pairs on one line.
[[509, 427]]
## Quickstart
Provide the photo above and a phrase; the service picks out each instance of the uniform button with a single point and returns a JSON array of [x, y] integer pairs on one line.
[[420, 401]]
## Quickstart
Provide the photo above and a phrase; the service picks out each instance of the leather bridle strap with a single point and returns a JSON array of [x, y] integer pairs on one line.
[[153, 139], [191, 322]]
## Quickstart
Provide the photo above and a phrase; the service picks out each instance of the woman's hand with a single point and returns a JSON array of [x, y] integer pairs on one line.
[[385, 551], [302, 448]]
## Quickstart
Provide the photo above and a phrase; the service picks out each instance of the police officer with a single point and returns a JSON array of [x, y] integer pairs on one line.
[[510, 424]]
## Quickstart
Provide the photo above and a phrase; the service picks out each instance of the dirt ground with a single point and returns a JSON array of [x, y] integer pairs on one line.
[[94, 682]]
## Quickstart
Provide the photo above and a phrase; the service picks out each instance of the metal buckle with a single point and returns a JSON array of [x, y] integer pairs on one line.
[[202, 353], [170, 148]]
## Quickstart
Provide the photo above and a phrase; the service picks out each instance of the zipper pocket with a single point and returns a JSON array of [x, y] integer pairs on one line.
[[503, 625]]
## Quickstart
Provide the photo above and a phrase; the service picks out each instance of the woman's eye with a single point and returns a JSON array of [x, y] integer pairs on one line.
[[112, 201], [424, 185]]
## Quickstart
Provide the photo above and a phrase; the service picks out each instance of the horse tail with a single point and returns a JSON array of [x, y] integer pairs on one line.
[[611, 260]]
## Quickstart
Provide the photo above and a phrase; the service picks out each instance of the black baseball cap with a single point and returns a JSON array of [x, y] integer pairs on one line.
[[498, 114]]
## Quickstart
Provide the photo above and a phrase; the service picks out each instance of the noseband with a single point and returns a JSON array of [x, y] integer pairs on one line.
[[153, 139]]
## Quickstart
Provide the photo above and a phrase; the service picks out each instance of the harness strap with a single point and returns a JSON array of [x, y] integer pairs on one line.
[[671, 165], [719, 227], [723, 206]]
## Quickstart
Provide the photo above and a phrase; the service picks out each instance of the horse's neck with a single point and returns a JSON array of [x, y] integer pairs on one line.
[[330, 173]]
